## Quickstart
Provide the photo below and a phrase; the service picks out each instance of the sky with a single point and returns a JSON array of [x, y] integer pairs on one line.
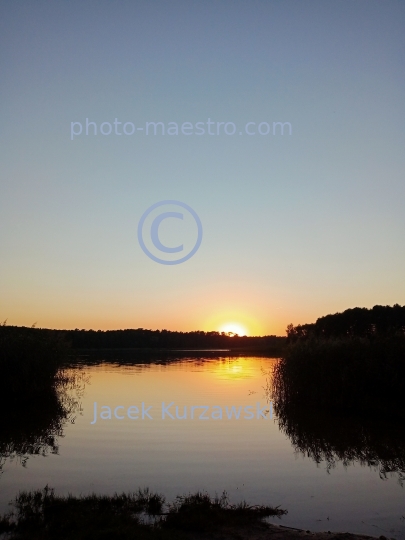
[[295, 225]]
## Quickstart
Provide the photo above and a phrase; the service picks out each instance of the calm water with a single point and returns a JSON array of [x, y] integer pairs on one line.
[[252, 459]]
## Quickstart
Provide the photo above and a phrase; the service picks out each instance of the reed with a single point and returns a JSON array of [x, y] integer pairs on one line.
[[349, 375], [29, 360]]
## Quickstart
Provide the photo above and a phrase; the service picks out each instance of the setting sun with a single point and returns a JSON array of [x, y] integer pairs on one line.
[[234, 328]]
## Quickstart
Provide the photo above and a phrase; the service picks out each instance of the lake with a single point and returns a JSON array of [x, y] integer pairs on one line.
[[329, 474]]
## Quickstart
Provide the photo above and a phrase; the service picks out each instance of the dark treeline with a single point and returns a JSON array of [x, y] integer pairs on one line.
[[357, 322], [150, 339], [164, 339]]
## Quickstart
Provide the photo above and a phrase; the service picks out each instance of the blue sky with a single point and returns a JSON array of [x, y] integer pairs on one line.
[[295, 227]]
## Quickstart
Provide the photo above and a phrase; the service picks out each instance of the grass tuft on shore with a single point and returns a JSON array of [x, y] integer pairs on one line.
[[199, 512]]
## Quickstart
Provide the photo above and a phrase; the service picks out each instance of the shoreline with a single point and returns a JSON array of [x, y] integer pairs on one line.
[[270, 531]]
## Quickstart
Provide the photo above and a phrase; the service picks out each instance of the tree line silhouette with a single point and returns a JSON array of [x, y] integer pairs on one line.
[[380, 321], [149, 339]]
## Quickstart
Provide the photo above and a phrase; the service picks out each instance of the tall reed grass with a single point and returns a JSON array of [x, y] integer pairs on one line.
[[29, 360], [348, 375]]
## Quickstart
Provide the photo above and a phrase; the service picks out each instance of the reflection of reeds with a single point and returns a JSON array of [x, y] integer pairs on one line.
[[33, 426], [355, 375], [342, 400], [330, 438], [42, 514], [33, 390], [36, 391]]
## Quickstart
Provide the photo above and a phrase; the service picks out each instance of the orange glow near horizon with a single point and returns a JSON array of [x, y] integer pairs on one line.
[[235, 321], [234, 328], [211, 316]]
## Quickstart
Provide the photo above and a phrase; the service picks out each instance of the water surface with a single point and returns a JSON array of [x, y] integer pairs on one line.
[[324, 481]]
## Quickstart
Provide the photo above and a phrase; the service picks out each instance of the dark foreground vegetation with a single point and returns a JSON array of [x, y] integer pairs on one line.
[[338, 390], [345, 375], [29, 360], [35, 393], [42, 515], [349, 363]]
